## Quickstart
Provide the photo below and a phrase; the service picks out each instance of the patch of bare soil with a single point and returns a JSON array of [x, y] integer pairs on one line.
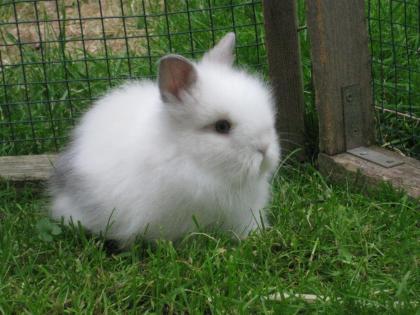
[[83, 26]]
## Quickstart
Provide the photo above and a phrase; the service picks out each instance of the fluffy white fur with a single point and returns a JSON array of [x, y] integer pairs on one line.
[[146, 161]]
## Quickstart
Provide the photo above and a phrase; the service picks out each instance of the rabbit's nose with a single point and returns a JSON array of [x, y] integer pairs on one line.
[[262, 148]]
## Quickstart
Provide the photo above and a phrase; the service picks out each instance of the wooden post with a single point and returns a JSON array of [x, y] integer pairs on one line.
[[343, 94], [341, 73], [282, 42]]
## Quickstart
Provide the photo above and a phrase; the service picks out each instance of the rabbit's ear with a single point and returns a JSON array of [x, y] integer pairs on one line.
[[176, 74], [223, 51]]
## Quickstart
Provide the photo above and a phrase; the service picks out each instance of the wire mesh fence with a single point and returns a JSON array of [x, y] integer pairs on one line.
[[394, 29], [58, 56]]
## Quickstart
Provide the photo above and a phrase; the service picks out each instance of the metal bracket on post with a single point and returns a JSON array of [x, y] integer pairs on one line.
[[375, 157], [352, 112], [353, 121]]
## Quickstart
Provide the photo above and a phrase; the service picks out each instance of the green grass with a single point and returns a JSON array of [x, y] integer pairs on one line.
[[333, 241]]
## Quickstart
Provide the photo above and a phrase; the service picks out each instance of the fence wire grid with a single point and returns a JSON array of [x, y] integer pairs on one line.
[[56, 57], [394, 31]]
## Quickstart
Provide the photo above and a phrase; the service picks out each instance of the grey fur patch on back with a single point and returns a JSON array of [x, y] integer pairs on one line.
[[63, 177]]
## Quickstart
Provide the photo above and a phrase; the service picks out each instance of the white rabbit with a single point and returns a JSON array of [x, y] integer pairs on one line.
[[156, 160]]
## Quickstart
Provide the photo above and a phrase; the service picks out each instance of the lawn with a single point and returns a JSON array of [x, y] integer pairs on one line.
[[356, 250], [359, 253]]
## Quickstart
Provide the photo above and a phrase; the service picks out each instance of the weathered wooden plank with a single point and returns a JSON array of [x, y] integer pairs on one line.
[[346, 166], [340, 167], [26, 167], [341, 65], [283, 51]]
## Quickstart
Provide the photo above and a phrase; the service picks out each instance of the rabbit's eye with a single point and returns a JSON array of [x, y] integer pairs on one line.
[[222, 126]]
